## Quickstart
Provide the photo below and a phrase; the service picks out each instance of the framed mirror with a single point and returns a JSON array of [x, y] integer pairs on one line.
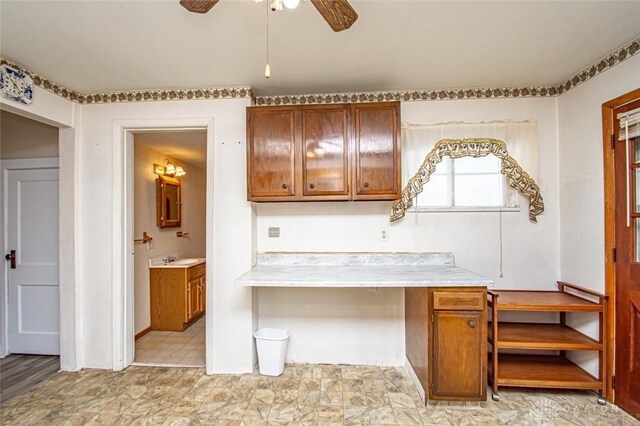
[[168, 202]]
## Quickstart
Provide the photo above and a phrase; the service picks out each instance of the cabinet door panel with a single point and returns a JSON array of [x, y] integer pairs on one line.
[[271, 153], [325, 150], [457, 358], [192, 300], [377, 150], [203, 294]]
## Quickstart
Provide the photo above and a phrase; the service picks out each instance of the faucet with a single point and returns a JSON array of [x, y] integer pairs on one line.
[[168, 259]]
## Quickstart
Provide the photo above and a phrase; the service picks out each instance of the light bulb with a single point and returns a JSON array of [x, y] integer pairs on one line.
[[170, 170], [291, 4], [276, 5], [180, 171], [267, 71]]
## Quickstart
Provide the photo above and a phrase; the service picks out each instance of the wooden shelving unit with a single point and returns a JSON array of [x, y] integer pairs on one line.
[[544, 371]]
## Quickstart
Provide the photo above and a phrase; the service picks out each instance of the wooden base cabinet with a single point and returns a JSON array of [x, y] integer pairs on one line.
[[446, 335], [178, 297]]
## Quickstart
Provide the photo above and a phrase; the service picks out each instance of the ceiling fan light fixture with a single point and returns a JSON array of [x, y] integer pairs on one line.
[[277, 5], [291, 4]]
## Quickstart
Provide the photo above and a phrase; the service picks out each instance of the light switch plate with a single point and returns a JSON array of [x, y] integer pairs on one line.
[[274, 232]]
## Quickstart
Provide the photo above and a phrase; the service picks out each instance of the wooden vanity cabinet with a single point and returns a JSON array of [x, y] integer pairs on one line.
[[178, 297], [446, 332], [319, 153], [376, 140]]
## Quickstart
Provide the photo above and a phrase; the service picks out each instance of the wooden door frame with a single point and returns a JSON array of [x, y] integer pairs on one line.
[[608, 131]]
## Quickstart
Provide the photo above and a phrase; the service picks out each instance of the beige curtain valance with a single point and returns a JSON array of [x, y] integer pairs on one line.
[[476, 147]]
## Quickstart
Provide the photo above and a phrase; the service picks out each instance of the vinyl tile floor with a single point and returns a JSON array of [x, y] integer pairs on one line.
[[183, 348], [303, 395]]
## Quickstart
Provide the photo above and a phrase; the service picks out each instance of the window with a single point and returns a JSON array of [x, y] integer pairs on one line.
[[467, 183]]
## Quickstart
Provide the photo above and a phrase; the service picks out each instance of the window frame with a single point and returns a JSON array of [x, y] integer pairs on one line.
[[509, 194]]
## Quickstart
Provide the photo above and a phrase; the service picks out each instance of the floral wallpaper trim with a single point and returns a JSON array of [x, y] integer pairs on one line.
[[474, 147], [620, 55], [133, 95], [409, 95]]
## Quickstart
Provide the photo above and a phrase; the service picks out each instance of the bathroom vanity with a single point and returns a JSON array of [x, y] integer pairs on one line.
[[445, 310], [178, 293]]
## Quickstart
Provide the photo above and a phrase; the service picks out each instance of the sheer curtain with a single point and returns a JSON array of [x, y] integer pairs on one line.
[[521, 138]]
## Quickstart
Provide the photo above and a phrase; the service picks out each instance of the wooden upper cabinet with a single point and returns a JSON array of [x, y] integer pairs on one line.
[[325, 151], [271, 147], [376, 137]]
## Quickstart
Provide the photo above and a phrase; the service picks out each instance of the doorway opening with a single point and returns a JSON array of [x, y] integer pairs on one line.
[[169, 214], [621, 131], [30, 295]]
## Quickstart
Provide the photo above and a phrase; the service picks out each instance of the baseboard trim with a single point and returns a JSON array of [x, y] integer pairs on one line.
[[416, 381], [143, 332]]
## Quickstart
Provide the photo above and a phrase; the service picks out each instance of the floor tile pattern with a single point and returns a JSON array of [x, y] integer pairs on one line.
[[303, 395], [19, 373], [173, 347]]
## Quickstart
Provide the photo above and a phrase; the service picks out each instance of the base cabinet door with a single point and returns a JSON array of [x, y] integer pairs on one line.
[[193, 299], [457, 361]]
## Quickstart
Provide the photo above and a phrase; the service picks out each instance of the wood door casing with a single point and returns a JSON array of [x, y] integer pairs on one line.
[[627, 270], [376, 138], [271, 148], [457, 360], [325, 150]]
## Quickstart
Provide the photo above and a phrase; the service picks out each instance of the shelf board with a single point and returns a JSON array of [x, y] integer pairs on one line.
[[559, 337], [543, 301], [542, 371]]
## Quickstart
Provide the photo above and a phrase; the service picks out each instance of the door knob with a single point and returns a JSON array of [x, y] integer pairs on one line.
[[311, 186], [285, 186], [472, 324], [366, 184], [12, 258]]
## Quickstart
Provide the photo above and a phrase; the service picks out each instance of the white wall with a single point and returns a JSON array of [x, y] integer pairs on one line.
[[582, 184], [358, 326], [582, 172], [165, 242], [21, 137], [229, 322]]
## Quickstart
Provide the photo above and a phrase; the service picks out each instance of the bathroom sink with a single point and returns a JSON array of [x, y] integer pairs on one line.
[[180, 263], [187, 262]]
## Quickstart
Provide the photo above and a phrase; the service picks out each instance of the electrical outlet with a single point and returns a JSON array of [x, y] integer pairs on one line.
[[384, 234], [274, 232]]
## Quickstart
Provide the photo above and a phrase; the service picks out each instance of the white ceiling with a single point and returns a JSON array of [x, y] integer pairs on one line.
[[93, 46], [186, 146]]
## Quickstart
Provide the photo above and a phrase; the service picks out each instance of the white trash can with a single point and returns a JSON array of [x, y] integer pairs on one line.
[[272, 350]]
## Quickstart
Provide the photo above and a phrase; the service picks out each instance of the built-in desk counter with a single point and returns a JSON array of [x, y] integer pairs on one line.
[[444, 306], [359, 270]]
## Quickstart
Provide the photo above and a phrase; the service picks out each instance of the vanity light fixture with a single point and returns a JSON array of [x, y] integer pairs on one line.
[[169, 168]]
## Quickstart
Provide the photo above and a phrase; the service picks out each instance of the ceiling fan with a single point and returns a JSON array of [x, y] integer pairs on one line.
[[338, 13]]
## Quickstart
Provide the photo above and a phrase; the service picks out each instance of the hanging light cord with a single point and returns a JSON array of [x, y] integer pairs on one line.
[[267, 69]]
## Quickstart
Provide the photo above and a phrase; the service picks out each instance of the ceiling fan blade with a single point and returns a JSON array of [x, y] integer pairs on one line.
[[338, 13], [198, 6]]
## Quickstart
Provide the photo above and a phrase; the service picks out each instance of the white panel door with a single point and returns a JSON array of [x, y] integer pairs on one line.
[[33, 285]]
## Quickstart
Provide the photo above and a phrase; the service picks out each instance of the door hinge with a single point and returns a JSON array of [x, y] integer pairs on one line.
[[613, 382], [613, 141], [614, 255]]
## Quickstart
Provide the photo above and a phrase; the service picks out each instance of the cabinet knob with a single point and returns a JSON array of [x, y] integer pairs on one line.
[[311, 186], [366, 184], [285, 186], [472, 324]]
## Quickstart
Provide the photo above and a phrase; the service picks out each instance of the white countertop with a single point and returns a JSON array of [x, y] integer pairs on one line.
[[359, 270], [180, 263]]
